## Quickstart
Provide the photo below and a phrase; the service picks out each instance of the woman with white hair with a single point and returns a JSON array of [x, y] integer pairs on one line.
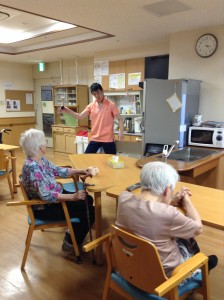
[[152, 215], [38, 178]]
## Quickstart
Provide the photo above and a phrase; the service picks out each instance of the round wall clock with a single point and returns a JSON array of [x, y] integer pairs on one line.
[[206, 45]]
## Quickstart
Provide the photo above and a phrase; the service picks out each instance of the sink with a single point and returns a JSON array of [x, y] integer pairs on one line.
[[191, 154]]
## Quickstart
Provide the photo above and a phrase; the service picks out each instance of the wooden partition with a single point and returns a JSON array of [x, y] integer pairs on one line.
[[25, 98], [17, 126]]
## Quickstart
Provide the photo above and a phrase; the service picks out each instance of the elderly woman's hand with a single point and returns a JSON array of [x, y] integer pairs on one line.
[[80, 195], [179, 196], [84, 172]]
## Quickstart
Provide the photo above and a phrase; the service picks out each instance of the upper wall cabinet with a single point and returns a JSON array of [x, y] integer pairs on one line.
[[130, 67], [73, 96]]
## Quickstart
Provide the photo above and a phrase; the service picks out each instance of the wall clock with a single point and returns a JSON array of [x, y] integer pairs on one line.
[[206, 45]]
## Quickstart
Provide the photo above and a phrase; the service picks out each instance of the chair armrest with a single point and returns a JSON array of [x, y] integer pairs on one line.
[[182, 272], [96, 242], [11, 157], [68, 166], [29, 202]]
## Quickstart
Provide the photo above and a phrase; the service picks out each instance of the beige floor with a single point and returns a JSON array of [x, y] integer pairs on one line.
[[50, 274]]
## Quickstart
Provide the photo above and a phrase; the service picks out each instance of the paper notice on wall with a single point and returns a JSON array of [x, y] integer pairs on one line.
[[101, 68], [174, 102], [117, 81], [98, 79], [134, 78], [29, 98], [12, 105]]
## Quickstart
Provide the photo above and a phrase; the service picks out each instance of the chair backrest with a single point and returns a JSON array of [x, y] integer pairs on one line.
[[130, 255], [24, 193]]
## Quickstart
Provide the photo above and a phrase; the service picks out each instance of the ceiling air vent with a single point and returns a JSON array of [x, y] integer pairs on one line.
[[166, 7]]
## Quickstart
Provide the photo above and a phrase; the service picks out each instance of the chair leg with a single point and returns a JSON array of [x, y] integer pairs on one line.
[[28, 240], [78, 257], [10, 186], [205, 283], [106, 289]]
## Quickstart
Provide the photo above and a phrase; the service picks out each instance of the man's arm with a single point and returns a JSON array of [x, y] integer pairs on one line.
[[67, 110], [121, 128]]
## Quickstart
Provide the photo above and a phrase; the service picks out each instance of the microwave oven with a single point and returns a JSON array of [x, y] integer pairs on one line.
[[206, 136]]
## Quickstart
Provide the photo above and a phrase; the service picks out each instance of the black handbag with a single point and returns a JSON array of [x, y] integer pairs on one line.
[[191, 245]]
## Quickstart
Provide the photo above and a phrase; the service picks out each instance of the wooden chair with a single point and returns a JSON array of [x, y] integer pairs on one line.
[[5, 171], [73, 185], [36, 224], [135, 271]]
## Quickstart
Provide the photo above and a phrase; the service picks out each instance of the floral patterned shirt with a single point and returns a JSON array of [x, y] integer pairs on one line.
[[39, 180]]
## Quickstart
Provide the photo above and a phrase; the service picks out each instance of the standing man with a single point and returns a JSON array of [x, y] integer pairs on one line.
[[102, 113]]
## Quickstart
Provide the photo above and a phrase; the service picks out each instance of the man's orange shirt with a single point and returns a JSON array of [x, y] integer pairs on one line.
[[102, 120]]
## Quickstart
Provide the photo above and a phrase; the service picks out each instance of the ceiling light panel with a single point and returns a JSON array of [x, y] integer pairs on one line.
[[23, 26], [24, 32]]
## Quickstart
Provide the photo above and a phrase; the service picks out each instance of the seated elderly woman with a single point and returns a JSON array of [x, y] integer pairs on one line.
[[153, 215], [38, 178]]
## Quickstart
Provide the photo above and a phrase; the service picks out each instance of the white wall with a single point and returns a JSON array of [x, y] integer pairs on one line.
[[14, 77], [185, 63]]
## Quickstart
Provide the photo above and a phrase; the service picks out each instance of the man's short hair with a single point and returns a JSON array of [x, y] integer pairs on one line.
[[95, 87]]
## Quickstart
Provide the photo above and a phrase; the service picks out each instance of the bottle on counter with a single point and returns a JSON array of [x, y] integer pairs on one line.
[[138, 106]]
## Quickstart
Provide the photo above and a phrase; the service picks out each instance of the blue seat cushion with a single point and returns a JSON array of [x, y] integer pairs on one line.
[[190, 284], [2, 172], [39, 222], [70, 187], [138, 294]]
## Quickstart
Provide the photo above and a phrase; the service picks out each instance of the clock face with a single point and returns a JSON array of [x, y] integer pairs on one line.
[[206, 45]]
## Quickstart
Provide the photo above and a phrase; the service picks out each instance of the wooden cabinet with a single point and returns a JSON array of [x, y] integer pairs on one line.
[[130, 138], [64, 138], [76, 97], [135, 138], [127, 67], [126, 137]]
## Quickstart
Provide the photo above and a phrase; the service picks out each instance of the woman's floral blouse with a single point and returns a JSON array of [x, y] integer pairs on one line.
[[39, 181]]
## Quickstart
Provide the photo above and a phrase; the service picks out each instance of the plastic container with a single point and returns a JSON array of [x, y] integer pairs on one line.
[[85, 142], [79, 145], [81, 141]]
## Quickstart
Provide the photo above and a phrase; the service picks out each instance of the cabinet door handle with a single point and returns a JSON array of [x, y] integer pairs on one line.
[[138, 139]]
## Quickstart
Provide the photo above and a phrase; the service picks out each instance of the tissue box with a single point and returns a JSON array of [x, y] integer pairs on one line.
[[116, 164]]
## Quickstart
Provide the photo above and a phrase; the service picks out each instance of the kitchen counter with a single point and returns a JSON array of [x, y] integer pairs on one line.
[[208, 171], [129, 133]]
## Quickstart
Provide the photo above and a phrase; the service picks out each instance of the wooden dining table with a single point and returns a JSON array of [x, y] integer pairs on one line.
[[12, 150], [106, 178], [208, 201]]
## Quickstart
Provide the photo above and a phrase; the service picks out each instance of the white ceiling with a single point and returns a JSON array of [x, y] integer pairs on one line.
[[126, 21]]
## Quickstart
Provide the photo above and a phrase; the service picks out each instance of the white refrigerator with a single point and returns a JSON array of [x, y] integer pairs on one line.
[[168, 109]]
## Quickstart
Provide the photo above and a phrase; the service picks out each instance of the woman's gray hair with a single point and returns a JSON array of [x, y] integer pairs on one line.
[[157, 176], [31, 141]]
